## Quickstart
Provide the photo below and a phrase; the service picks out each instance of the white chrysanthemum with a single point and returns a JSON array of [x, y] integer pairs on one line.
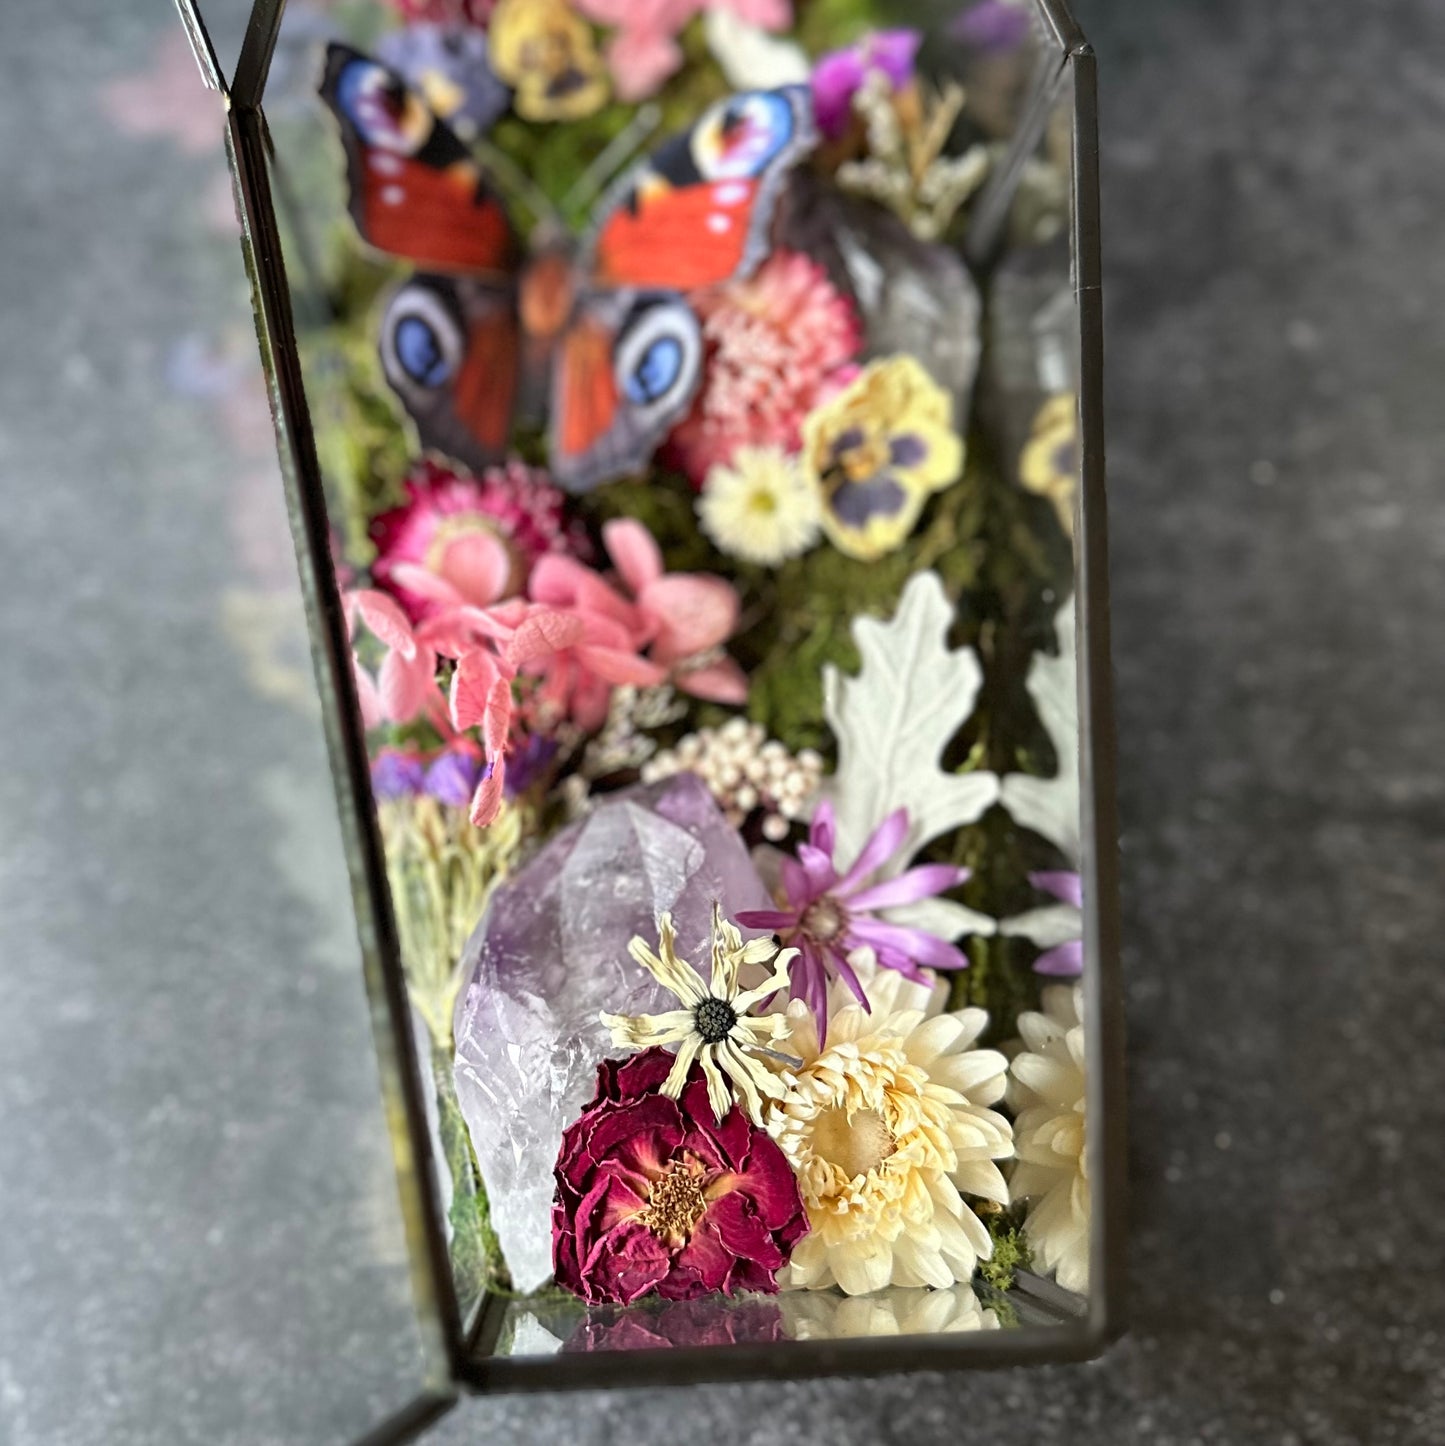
[[811, 1315], [1052, 1173], [889, 1128], [760, 509]]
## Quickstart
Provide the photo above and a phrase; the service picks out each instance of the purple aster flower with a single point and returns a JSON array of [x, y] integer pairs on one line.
[[1065, 960], [839, 76], [994, 26], [830, 914], [395, 775], [453, 778]]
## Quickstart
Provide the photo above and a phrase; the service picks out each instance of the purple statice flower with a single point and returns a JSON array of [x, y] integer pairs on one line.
[[829, 914], [453, 777], [396, 775], [530, 762], [993, 27], [1065, 960], [839, 76]]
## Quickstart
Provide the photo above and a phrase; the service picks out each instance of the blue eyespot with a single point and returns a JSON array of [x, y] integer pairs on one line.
[[657, 373], [419, 351]]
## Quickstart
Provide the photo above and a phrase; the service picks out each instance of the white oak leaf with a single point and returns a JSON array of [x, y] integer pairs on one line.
[[1050, 806], [892, 723]]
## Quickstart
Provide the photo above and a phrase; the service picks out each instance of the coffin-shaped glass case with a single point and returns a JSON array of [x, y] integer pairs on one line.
[[693, 445]]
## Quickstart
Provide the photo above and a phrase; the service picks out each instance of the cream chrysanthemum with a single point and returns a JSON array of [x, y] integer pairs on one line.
[[713, 1028], [1049, 1134], [761, 508], [888, 1129]]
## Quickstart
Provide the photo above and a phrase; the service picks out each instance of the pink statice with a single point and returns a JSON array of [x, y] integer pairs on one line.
[[828, 915], [644, 51], [466, 541], [779, 344]]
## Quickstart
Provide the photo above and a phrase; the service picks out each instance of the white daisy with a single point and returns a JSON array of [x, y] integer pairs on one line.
[[888, 1129], [1049, 1135], [714, 1027], [762, 508]]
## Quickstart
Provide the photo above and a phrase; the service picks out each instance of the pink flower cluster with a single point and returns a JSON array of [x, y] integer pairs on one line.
[[644, 50], [780, 343], [525, 653]]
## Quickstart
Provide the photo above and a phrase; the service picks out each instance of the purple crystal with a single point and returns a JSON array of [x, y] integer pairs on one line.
[[550, 955]]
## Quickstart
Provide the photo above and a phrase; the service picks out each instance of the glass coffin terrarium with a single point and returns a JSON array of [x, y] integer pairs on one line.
[[691, 424]]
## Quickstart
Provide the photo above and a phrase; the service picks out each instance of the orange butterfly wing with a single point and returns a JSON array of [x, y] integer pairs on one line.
[[698, 211], [416, 191]]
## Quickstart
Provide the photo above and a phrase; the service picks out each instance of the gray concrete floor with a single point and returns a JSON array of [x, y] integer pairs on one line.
[[198, 1236]]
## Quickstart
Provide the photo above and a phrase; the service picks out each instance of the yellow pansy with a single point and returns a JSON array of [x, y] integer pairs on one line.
[[877, 452], [547, 53]]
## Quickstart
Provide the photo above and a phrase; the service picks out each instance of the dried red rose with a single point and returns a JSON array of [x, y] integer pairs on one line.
[[654, 1196]]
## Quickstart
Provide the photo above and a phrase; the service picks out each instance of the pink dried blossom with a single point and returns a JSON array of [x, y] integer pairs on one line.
[[654, 1196], [644, 50], [682, 619], [466, 541], [779, 344]]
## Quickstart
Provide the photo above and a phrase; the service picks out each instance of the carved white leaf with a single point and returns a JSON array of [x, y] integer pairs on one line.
[[1047, 927], [1050, 806], [892, 723], [750, 57]]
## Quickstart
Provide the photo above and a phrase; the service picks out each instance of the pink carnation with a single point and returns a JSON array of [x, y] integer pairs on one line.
[[466, 541], [654, 1196], [779, 343]]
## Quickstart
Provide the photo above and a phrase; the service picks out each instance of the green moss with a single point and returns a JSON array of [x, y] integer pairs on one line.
[[1011, 1252]]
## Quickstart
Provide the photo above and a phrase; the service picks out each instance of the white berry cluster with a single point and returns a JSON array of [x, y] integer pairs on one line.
[[745, 770]]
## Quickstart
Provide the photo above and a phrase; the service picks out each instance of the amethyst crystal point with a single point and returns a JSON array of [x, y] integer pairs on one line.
[[550, 955]]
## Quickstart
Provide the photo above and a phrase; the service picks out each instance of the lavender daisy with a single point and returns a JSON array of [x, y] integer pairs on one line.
[[829, 914]]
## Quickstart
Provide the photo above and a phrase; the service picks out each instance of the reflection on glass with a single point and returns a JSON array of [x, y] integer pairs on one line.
[[706, 524]]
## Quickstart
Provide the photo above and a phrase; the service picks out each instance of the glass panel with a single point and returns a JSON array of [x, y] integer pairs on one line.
[[706, 523], [198, 1219]]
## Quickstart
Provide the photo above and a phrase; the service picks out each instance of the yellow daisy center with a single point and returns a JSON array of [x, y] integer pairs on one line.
[[762, 502], [855, 1143]]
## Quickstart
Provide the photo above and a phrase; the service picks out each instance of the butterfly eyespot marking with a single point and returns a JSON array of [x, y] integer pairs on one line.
[[740, 136], [421, 341], [658, 356], [387, 116]]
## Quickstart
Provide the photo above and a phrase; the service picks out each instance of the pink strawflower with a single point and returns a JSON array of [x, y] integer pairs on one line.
[[829, 915], [655, 1197], [467, 541], [779, 343], [644, 51]]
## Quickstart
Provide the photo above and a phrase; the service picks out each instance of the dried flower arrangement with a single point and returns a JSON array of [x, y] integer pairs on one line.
[[713, 649]]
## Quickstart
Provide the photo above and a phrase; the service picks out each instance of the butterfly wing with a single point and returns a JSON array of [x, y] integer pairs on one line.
[[450, 348], [699, 210], [416, 190], [625, 373], [695, 213]]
